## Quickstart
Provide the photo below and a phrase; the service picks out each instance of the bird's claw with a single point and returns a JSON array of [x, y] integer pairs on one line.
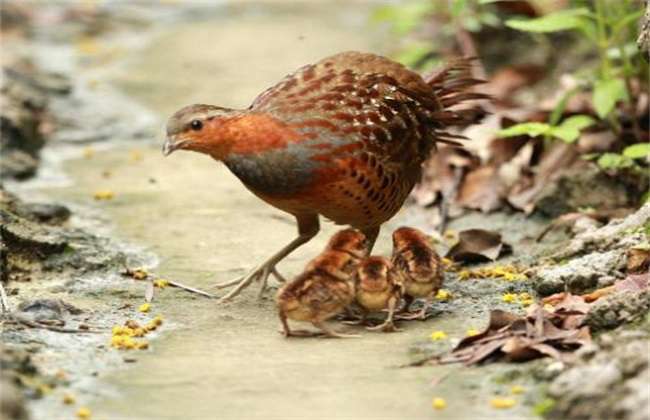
[[385, 327], [410, 316], [261, 274]]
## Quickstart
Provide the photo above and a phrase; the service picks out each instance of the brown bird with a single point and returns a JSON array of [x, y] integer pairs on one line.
[[377, 287], [419, 267], [326, 287], [343, 138]]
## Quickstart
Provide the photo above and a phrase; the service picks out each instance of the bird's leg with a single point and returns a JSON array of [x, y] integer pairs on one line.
[[408, 300], [388, 325], [422, 313], [286, 331], [371, 236], [330, 332], [307, 228], [357, 319]]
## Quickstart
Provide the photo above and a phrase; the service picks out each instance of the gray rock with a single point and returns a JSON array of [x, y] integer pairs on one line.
[[619, 308], [580, 273], [585, 186], [612, 383], [29, 245]]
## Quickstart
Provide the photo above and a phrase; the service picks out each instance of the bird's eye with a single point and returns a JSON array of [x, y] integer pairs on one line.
[[196, 125]]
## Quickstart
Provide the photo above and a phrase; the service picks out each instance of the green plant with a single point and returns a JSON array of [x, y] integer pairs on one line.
[[568, 130], [630, 158], [404, 19], [610, 25]]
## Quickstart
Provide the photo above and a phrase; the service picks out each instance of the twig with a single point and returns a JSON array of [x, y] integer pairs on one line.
[[191, 289]]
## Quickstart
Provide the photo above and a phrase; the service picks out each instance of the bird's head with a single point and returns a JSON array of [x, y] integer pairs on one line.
[[373, 273], [405, 238], [351, 241], [200, 128]]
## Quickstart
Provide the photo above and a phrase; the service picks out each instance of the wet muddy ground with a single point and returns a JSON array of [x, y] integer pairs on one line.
[[188, 219]]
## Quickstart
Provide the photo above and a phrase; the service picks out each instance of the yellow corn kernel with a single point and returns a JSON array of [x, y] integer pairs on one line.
[[83, 413], [443, 294], [161, 283], [439, 403], [144, 307], [142, 345], [509, 297], [158, 320], [517, 389], [472, 332], [68, 399], [464, 274], [103, 195], [502, 403], [438, 335]]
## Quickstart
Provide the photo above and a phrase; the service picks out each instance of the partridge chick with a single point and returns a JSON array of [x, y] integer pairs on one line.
[[325, 288], [378, 287], [419, 267]]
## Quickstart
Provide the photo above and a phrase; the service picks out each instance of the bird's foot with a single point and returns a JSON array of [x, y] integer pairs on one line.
[[358, 321], [409, 316], [335, 334], [260, 274], [330, 333], [385, 327], [301, 333]]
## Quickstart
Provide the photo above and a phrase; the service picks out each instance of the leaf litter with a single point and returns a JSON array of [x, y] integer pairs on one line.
[[554, 327]]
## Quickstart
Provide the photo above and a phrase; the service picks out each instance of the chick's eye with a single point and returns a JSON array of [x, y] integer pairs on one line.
[[196, 125]]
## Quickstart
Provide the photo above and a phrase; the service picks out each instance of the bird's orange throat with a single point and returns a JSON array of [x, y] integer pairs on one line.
[[242, 135]]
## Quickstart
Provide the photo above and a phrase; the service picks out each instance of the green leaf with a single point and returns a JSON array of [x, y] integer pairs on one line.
[[588, 28], [578, 122], [589, 156], [561, 106], [637, 151], [614, 161], [553, 22], [606, 93], [569, 130], [630, 18], [532, 129]]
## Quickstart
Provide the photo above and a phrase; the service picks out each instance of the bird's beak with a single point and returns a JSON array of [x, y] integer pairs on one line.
[[171, 145]]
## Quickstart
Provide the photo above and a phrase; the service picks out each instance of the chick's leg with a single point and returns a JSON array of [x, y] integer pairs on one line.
[[355, 319], [422, 313], [408, 300], [388, 325], [308, 227], [287, 332], [330, 332]]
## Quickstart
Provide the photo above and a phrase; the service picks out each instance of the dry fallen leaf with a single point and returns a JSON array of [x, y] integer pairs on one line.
[[481, 190], [478, 245], [638, 259], [515, 338]]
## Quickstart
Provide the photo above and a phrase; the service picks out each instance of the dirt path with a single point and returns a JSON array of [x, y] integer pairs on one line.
[[229, 361]]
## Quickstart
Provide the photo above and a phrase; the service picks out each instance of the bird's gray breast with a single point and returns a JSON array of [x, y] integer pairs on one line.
[[282, 171]]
